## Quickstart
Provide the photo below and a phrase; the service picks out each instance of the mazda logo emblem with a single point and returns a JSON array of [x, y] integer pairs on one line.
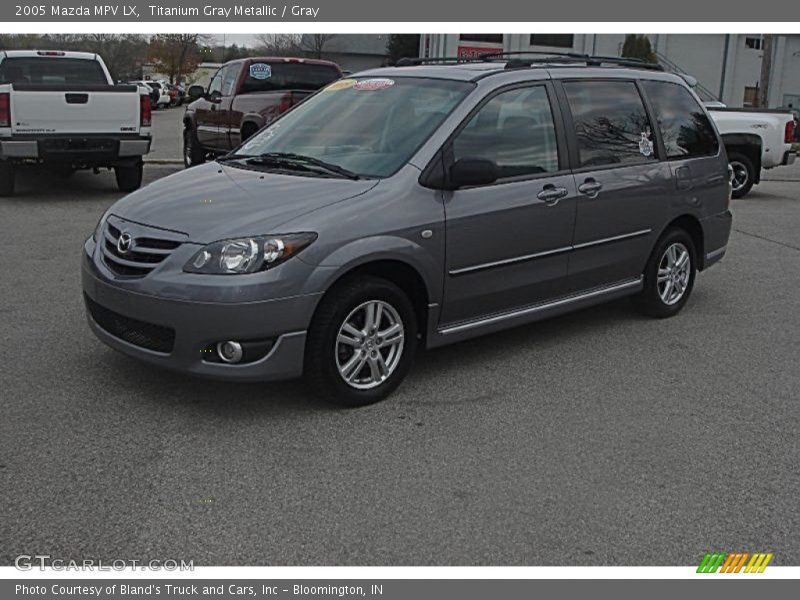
[[124, 243]]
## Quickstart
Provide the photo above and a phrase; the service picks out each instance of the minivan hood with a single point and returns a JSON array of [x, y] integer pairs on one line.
[[212, 202]]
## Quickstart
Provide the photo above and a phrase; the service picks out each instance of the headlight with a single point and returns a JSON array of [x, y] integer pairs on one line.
[[247, 255], [98, 229]]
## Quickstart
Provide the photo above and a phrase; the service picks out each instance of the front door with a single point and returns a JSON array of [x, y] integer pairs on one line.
[[206, 113], [508, 242]]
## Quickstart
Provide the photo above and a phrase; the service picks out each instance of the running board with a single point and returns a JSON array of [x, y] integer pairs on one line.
[[464, 330]]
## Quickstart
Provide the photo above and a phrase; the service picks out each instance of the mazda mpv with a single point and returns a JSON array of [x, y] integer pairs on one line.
[[411, 207]]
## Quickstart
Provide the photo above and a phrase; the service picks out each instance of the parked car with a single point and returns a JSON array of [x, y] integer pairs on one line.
[[159, 98], [63, 110], [176, 94], [164, 99], [755, 139], [243, 96], [412, 207], [151, 92]]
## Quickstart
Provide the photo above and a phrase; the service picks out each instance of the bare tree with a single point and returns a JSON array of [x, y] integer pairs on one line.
[[276, 44], [176, 54], [313, 44]]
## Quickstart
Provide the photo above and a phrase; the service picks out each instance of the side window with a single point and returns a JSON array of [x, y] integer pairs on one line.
[[515, 130], [216, 83], [229, 76], [684, 126], [611, 125]]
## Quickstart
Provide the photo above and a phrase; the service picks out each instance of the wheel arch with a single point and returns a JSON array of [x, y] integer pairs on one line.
[[748, 144], [402, 273], [691, 225]]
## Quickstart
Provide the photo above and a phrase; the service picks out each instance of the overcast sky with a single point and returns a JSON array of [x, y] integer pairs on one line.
[[240, 39]]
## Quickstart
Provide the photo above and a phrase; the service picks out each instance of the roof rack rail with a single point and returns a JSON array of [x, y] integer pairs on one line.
[[449, 60], [590, 60], [516, 60]]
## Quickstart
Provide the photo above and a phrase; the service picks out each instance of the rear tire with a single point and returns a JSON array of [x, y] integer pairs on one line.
[[744, 174], [193, 153], [668, 280], [355, 359], [129, 177], [7, 178]]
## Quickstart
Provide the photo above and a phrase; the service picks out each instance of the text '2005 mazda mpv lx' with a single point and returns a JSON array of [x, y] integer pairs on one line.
[[415, 206]]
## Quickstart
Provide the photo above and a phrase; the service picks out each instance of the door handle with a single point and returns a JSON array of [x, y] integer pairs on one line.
[[551, 194], [590, 187]]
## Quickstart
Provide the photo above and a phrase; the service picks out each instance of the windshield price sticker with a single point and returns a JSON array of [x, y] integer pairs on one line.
[[342, 84], [373, 84], [260, 71]]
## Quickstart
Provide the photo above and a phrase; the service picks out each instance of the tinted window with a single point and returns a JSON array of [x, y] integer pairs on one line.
[[371, 126], [514, 130], [684, 126], [48, 70], [216, 83], [611, 124], [489, 38], [265, 77], [559, 40], [229, 76]]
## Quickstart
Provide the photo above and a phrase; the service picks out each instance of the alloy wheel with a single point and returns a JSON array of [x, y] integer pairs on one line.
[[674, 271], [369, 344]]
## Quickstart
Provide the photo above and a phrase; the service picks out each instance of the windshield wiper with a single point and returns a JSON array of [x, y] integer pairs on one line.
[[297, 160]]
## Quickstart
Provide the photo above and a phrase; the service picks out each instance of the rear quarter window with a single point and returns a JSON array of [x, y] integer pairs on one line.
[[684, 126], [267, 77], [611, 124]]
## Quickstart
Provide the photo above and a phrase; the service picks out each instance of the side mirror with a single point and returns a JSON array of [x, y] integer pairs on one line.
[[195, 92], [472, 171]]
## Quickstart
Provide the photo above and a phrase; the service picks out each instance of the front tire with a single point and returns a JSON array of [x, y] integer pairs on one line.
[[361, 342], [669, 275], [744, 174], [7, 178], [129, 177], [193, 153]]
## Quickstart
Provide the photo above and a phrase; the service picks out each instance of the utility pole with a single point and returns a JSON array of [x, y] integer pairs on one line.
[[766, 70]]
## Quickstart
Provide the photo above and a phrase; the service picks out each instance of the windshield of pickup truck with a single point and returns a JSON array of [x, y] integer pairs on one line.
[[51, 70], [369, 126]]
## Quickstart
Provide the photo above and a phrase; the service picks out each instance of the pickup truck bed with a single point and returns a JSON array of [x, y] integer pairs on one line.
[[62, 110]]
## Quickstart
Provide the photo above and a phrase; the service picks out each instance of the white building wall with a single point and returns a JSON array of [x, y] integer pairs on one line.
[[702, 56]]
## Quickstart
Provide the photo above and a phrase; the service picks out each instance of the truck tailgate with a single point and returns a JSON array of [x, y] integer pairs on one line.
[[79, 109]]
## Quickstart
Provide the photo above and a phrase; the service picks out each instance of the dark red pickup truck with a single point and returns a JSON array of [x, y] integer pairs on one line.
[[243, 96]]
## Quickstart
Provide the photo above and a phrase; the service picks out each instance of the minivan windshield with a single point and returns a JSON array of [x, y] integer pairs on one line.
[[368, 126]]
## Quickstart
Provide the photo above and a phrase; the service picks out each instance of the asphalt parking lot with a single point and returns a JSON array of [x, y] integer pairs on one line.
[[598, 438]]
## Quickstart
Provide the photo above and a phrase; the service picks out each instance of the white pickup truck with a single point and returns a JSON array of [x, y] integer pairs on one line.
[[63, 110], [755, 139]]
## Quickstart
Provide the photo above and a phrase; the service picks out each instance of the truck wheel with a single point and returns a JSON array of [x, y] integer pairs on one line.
[[361, 342], [744, 174], [129, 177], [193, 153], [668, 276], [7, 177]]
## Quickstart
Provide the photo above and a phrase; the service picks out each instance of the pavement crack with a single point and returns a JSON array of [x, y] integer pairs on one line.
[[766, 239]]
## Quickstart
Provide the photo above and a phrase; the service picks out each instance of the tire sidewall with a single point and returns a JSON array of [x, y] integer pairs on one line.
[[324, 331], [654, 304], [748, 165]]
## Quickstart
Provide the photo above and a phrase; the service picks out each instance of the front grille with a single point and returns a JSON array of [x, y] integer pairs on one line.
[[145, 253], [139, 333]]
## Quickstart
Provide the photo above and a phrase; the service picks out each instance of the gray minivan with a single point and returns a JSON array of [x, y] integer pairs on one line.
[[415, 206]]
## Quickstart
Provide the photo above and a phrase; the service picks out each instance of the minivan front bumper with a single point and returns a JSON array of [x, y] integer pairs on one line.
[[177, 334]]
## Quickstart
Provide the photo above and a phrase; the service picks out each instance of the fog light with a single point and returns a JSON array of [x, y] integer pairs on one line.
[[229, 352]]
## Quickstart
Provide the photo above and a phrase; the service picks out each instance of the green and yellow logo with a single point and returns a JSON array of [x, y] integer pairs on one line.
[[734, 562]]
